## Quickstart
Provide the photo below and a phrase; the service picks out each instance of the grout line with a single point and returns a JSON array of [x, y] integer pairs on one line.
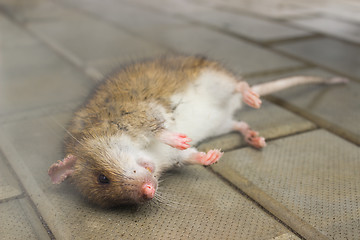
[[276, 71], [19, 196]]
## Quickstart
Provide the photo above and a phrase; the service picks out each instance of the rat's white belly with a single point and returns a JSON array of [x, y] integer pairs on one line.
[[206, 108]]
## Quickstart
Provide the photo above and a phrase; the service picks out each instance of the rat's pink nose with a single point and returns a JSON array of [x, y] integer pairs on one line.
[[148, 191]]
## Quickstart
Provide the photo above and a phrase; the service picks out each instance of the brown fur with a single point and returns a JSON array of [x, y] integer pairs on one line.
[[121, 103]]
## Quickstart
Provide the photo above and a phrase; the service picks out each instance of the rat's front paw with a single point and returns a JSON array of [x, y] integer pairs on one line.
[[175, 140], [208, 158]]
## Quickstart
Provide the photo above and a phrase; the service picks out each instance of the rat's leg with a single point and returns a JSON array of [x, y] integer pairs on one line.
[[193, 156], [175, 140], [250, 97], [251, 137]]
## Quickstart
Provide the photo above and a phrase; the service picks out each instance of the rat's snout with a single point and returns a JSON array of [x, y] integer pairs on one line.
[[148, 191]]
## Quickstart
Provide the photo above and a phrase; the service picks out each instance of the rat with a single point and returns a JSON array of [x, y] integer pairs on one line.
[[141, 120]]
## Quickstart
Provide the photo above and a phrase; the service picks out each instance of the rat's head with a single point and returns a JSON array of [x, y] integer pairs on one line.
[[108, 171]]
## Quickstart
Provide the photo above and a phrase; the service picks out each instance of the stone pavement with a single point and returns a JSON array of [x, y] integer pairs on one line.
[[303, 185]]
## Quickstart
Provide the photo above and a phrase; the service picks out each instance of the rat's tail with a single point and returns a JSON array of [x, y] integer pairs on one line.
[[278, 85]]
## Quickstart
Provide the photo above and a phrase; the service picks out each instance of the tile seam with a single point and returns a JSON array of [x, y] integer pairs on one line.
[[8, 199]]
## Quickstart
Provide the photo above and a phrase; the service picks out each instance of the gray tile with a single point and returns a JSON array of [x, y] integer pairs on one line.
[[12, 35], [33, 10], [182, 37], [348, 10], [251, 27], [19, 221], [273, 9], [332, 27], [337, 106], [239, 56], [151, 23], [9, 187], [186, 212], [340, 56], [90, 39], [122, 14], [34, 76], [314, 175], [270, 121]]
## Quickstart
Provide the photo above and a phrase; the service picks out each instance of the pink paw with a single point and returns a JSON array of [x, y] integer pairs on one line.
[[208, 158], [176, 140], [254, 140], [251, 98]]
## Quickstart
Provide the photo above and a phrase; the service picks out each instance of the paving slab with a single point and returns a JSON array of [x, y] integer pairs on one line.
[[340, 56], [331, 26], [90, 39], [19, 221], [151, 23], [207, 208], [248, 26], [334, 107], [32, 10], [245, 25], [14, 36], [270, 121], [180, 36], [348, 10], [9, 187], [274, 9], [313, 176], [34, 76], [238, 55]]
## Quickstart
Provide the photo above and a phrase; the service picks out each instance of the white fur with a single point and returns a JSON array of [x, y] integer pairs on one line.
[[206, 108], [123, 150]]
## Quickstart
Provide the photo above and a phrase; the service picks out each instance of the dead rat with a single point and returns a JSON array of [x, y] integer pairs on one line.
[[140, 121]]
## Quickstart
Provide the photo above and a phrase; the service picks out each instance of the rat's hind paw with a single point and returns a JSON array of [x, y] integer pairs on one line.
[[251, 98], [208, 158], [254, 140]]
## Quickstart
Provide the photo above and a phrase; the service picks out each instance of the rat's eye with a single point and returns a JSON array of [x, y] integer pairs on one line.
[[103, 179]]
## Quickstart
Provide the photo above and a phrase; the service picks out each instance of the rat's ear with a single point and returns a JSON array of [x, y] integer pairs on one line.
[[62, 169]]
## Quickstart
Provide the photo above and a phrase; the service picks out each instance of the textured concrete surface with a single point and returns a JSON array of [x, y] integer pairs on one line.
[[313, 174], [303, 185], [194, 202]]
